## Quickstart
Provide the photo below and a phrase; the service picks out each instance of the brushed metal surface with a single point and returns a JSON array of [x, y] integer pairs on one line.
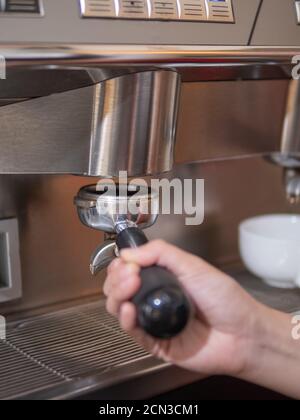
[[49, 134], [36, 137], [221, 120], [74, 66], [55, 248], [124, 124], [277, 24], [30, 83], [134, 123], [134, 55], [235, 189], [291, 128], [289, 155]]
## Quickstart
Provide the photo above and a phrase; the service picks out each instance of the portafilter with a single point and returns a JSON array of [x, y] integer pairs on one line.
[[122, 211]]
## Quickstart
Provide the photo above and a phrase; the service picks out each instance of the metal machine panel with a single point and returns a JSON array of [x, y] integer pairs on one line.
[[278, 23], [172, 10], [71, 27]]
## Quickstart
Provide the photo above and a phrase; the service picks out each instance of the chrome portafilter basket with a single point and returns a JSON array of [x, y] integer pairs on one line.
[[103, 205], [122, 211], [112, 208]]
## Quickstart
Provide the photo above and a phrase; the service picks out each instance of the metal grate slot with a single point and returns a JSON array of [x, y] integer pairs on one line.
[[62, 347], [22, 6]]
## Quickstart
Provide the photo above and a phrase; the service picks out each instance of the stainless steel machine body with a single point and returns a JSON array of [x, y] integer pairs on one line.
[[104, 129], [289, 155], [100, 93]]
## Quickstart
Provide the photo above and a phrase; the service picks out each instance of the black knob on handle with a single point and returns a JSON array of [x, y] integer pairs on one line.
[[163, 309]]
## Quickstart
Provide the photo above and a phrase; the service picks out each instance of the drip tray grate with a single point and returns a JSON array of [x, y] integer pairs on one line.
[[62, 347]]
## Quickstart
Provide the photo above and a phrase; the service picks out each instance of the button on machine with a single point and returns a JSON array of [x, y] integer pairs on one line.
[[20, 7], [98, 8], [133, 9], [219, 11], [164, 9], [193, 10]]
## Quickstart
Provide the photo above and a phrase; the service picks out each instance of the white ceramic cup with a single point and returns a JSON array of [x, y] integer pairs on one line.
[[270, 248]]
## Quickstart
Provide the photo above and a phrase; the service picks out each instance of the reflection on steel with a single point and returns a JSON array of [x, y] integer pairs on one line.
[[74, 66], [102, 208], [291, 128], [103, 256], [123, 124], [37, 55], [134, 124], [292, 185], [111, 210], [289, 155]]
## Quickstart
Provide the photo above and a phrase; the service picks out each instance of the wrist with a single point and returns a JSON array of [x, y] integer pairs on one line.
[[261, 339], [274, 355]]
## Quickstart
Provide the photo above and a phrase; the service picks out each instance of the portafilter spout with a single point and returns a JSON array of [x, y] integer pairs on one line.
[[122, 211]]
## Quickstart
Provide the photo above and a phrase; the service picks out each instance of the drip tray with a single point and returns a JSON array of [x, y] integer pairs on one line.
[[68, 352], [81, 350]]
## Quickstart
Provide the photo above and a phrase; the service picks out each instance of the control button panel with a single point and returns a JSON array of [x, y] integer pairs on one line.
[[174, 10], [298, 11], [22, 7]]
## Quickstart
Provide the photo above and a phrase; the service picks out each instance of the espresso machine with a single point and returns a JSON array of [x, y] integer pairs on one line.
[[88, 89]]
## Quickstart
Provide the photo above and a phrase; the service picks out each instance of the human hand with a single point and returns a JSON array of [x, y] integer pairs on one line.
[[218, 339]]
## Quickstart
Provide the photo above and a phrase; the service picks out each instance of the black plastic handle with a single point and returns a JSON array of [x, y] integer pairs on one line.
[[163, 309]]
